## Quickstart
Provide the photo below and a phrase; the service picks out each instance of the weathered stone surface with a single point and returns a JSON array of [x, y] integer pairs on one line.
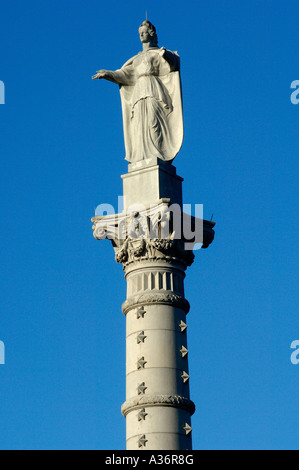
[[154, 180]]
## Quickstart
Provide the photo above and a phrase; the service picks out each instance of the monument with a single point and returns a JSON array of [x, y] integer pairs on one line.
[[151, 241]]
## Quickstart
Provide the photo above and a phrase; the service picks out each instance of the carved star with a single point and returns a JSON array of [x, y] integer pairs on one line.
[[185, 377], [142, 441], [141, 337], [140, 312], [184, 351], [141, 363], [141, 388], [183, 326], [142, 414], [187, 428]]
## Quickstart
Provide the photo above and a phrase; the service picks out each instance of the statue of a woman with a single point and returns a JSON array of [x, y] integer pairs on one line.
[[151, 99]]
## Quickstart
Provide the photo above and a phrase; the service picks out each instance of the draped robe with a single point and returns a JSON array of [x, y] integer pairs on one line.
[[150, 90]]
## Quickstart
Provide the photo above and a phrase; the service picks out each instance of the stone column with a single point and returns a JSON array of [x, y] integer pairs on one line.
[[158, 408]]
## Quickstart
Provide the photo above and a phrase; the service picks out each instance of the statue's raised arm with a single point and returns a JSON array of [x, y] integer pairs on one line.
[[150, 89]]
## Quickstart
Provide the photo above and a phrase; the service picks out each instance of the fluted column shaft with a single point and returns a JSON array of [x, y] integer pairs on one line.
[[158, 407]]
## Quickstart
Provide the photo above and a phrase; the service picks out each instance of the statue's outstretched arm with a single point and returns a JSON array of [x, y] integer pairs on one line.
[[121, 77], [107, 74]]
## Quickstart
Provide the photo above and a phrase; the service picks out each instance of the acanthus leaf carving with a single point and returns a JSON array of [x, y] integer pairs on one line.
[[147, 234]]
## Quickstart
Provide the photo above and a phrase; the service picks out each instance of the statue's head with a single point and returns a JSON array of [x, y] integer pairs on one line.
[[147, 33]]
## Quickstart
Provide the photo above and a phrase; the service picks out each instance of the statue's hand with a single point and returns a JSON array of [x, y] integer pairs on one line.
[[101, 74], [162, 51]]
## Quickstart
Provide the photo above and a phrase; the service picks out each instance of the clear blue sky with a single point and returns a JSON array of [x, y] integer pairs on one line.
[[62, 153]]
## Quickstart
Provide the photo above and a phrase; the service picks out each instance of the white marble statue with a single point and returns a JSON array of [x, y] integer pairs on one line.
[[150, 90]]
